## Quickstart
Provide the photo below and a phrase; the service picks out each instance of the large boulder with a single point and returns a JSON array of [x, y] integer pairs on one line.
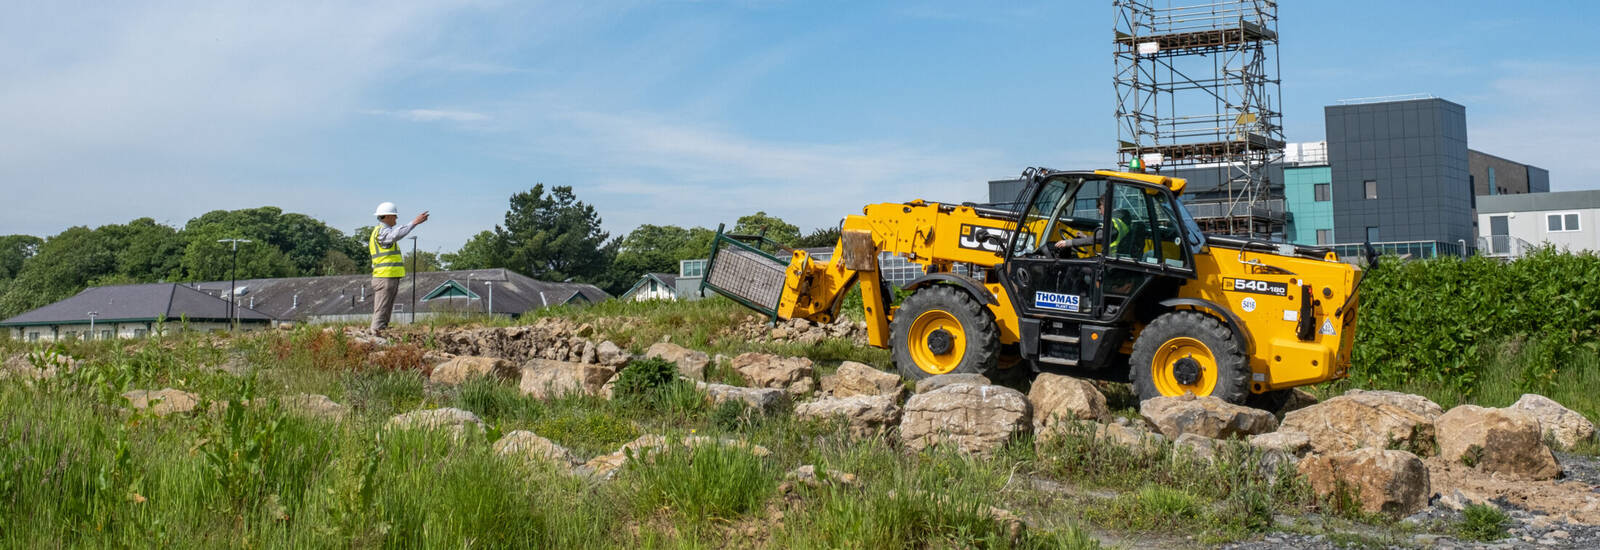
[[530, 446], [1384, 481], [460, 369], [545, 379], [1294, 443], [456, 421], [937, 381], [162, 402], [22, 366], [867, 415], [1057, 399], [1198, 446], [611, 355], [1566, 427], [765, 400], [1348, 422], [1420, 405], [314, 405], [854, 379], [1502, 441], [976, 418], [764, 370], [691, 363], [1205, 416], [606, 466], [1129, 436]]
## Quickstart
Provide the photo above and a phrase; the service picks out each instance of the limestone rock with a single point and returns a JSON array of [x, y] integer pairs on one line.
[[1294, 443], [867, 415], [692, 441], [937, 381], [1420, 405], [529, 445], [609, 354], [1129, 437], [459, 369], [23, 367], [792, 374], [1205, 416], [1201, 447], [854, 379], [1502, 441], [691, 363], [1383, 481], [976, 418], [314, 405], [1567, 427], [807, 475], [1348, 422], [1057, 398], [434, 358], [606, 466], [162, 402], [545, 379], [456, 421], [765, 400]]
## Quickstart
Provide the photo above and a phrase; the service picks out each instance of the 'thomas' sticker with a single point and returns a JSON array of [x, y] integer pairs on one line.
[[1055, 301]]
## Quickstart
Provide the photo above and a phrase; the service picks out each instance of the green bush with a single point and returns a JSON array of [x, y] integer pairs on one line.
[[1437, 321], [643, 375], [1482, 522]]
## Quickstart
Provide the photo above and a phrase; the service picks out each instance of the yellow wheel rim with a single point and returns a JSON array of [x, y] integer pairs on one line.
[[1192, 353], [923, 328]]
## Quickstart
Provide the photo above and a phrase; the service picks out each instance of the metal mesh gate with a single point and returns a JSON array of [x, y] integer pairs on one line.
[[746, 274]]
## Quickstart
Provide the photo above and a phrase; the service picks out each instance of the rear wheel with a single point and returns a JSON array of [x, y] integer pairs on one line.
[[942, 330], [1189, 352]]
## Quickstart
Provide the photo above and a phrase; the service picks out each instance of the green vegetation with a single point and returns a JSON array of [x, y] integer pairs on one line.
[[1483, 523], [1481, 331]]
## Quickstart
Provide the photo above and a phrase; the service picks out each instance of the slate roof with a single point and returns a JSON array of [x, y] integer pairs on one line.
[[141, 302], [302, 297]]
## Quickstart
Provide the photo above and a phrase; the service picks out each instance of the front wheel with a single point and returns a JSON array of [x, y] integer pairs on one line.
[[1189, 352], [941, 330]]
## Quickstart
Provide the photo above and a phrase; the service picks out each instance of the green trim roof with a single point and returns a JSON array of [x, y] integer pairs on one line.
[[451, 289]]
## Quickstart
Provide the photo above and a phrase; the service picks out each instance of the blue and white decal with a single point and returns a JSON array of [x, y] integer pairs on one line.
[[1058, 302]]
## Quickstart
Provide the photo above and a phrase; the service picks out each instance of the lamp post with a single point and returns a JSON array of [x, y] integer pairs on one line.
[[92, 315], [414, 273], [233, 280]]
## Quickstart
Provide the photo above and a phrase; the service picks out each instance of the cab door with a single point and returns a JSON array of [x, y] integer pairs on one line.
[[1051, 281], [1147, 242]]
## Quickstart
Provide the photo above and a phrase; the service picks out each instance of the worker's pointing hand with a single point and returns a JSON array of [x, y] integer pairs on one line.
[[420, 218]]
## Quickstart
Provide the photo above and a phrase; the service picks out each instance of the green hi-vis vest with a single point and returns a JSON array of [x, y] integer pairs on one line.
[[386, 262], [1121, 228]]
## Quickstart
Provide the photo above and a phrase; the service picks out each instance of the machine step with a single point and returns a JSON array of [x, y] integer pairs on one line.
[[1059, 338], [1059, 361]]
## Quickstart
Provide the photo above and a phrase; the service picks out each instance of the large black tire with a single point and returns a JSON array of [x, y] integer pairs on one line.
[[973, 342], [1179, 335]]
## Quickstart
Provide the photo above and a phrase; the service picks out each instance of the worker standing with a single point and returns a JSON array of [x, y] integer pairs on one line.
[[388, 266]]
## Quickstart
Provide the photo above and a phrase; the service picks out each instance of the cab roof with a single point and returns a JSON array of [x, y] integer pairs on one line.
[[1174, 184]]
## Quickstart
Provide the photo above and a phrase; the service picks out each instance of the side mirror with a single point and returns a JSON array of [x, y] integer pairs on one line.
[[1371, 253]]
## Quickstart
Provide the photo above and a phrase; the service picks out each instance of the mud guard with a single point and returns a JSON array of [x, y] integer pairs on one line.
[[972, 286], [1234, 323]]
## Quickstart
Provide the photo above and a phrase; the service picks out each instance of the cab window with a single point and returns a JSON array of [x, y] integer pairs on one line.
[[1145, 228]]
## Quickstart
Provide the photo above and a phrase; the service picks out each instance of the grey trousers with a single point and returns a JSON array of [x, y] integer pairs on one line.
[[383, 291]]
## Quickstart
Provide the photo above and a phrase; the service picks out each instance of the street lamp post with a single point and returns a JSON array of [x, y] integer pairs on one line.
[[233, 280], [92, 315], [414, 273]]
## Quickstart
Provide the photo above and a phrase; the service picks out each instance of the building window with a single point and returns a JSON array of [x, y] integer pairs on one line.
[[691, 268], [1372, 234], [140, 333], [1372, 189], [1324, 236], [1566, 221], [105, 335], [33, 336], [1324, 192]]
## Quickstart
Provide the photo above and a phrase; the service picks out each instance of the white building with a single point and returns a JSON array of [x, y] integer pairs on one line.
[[129, 311], [1510, 225]]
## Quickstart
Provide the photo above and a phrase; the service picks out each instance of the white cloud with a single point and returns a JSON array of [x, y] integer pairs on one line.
[[431, 115], [1538, 114]]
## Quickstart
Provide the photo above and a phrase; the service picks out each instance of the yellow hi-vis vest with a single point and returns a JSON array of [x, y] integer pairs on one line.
[[386, 262]]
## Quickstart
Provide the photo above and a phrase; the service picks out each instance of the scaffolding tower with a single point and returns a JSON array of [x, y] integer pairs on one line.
[[1197, 86]]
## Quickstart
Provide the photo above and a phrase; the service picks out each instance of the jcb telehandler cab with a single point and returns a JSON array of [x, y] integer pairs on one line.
[[1097, 272]]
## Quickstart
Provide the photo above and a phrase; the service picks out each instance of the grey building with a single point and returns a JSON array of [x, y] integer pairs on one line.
[[129, 311], [1492, 175], [1399, 172], [1513, 224], [499, 292]]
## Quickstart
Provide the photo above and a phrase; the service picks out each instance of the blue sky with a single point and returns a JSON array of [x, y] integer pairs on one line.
[[686, 113]]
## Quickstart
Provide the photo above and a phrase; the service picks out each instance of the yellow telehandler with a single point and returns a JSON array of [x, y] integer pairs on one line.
[[1096, 272]]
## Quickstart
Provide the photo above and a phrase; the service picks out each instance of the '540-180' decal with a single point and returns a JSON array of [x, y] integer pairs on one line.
[[1254, 286]]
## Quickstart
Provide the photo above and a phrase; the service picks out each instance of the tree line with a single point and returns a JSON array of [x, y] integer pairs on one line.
[[547, 234]]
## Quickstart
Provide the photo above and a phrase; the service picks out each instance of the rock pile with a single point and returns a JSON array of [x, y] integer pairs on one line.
[[756, 329]]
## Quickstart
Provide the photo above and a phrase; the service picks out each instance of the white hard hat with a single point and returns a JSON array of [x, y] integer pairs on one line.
[[386, 209]]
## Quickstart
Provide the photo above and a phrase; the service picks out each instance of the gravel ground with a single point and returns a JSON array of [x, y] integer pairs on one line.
[[1527, 529]]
